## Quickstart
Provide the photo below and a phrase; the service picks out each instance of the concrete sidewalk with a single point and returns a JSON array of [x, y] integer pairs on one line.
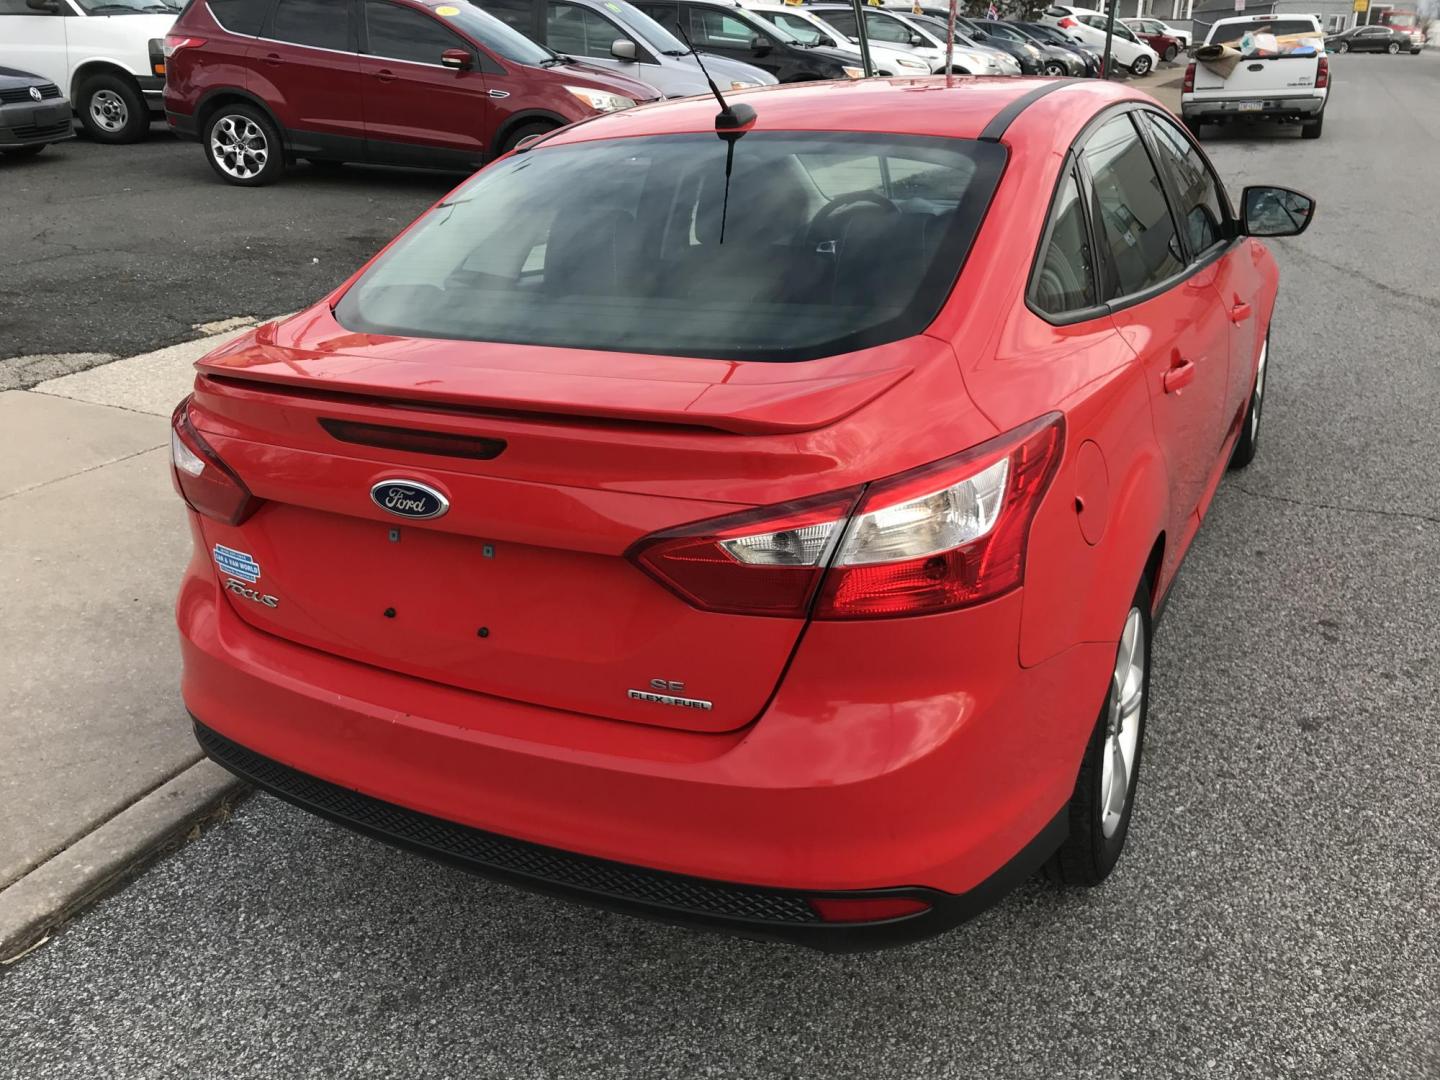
[[97, 764]]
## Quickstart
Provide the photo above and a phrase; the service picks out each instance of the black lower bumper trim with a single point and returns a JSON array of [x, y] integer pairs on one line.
[[747, 910]]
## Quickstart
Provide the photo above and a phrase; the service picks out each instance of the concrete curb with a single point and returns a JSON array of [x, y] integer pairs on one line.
[[41, 901]]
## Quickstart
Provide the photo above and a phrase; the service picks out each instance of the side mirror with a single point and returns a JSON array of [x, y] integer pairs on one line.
[[623, 49], [980, 35], [1275, 211], [760, 45], [458, 59], [916, 39]]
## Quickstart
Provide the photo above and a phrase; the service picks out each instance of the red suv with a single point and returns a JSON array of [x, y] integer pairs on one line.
[[429, 84]]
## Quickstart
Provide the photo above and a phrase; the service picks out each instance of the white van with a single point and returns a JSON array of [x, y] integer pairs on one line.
[[106, 55]]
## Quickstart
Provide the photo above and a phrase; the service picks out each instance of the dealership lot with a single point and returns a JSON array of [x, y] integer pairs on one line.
[[1274, 914]]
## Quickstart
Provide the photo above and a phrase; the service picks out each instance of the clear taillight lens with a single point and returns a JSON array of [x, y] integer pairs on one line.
[[206, 483], [945, 535]]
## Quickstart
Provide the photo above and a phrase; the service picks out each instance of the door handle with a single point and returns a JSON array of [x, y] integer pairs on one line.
[[273, 59], [385, 75], [1179, 377], [1240, 312]]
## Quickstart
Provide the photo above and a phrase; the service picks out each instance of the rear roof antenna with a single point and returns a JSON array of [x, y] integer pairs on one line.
[[731, 118]]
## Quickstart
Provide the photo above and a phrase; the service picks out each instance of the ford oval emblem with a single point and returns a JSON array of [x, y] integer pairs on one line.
[[409, 499]]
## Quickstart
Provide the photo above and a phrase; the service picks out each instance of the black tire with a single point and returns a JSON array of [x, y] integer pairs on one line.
[[524, 131], [1171, 51], [1088, 855], [1054, 68], [1393, 48], [1312, 130], [1194, 127], [1342, 47], [1249, 441], [19, 152], [1140, 67], [243, 145], [112, 109]]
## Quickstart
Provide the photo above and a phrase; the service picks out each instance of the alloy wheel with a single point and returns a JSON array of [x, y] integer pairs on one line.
[[108, 110], [1054, 67], [1122, 723], [239, 146], [1141, 66], [1259, 396]]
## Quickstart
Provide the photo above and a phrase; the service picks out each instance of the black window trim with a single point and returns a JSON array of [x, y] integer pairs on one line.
[[1120, 303], [1071, 168], [1170, 183], [264, 21]]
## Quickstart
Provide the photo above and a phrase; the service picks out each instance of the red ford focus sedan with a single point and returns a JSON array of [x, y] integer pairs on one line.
[[759, 526]]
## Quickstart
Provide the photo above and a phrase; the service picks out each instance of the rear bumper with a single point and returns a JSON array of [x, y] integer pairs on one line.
[[182, 124], [1222, 110], [749, 911], [866, 774]]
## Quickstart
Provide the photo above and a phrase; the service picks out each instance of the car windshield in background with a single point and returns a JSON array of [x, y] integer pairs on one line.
[[495, 35], [1270, 37], [823, 243], [130, 7]]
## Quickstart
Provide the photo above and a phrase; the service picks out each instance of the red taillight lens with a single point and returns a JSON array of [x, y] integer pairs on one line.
[[758, 562], [866, 909], [946, 535], [1067, 22], [203, 480], [1187, 85], [1322, 74], [942, 536], [175, 42]]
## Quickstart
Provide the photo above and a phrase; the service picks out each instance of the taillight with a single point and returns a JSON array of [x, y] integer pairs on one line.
[[205, 482], [1067, 22], [767, 561], [942, 536], [175, 42], [1322, 74], [1187, 85]]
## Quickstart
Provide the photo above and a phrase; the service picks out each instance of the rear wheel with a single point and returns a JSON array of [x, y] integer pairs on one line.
[[1393, 48], [1141, 66], [1194, 127], [1312, 130], [112, 109], [1171, 51], [243, 146], [1249, 440], [1104, 794], [524, 131], [1343, 46]]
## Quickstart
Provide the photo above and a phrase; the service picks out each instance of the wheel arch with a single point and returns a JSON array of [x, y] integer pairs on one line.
[[100, 65], [520, 119]]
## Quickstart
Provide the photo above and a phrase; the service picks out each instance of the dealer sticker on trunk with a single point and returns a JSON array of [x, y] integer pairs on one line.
[[240, 564]]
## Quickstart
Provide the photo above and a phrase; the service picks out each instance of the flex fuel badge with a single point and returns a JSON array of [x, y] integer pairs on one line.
[[240, 564]]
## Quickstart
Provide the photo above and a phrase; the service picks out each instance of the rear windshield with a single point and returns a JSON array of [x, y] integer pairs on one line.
[[817, 243], [1269, 37]]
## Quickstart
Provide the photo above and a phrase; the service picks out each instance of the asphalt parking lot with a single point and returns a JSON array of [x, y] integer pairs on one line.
[[1276, 912]]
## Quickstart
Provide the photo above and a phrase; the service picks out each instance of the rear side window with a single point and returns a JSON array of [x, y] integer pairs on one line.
[[1065, 275], [322, 24], [1140, 241], [843, 21], [1200, 206], [816, 244], [400, 33], [240, 16]]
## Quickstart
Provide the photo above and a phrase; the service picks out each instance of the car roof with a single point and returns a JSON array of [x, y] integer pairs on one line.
[[958, 106]]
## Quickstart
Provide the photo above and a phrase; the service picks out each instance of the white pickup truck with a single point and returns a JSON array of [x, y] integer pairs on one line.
[[1271, 67]]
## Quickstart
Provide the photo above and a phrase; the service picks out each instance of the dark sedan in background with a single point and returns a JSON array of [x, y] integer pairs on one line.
[[1384, 39], [1052, 37], [1053, 60], [33, 114]]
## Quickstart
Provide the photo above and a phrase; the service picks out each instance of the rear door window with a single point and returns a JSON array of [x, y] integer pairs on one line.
[[1064, 276], [843, 21], [240, 16], [880, 28], [1140, 243], [317, 23], [578, 31], [719, 30]]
